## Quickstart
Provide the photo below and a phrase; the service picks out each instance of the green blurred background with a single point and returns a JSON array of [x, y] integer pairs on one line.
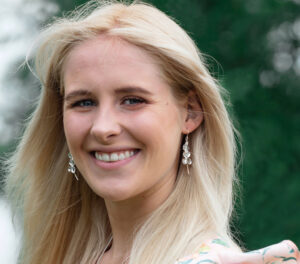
[[252, 47]]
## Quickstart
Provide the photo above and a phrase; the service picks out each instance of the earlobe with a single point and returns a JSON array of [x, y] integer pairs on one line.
[[194, 116]]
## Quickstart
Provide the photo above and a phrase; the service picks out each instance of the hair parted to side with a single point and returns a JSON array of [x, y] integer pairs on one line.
[[64, 221]]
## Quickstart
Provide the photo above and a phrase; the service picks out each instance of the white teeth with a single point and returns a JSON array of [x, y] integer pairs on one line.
[[105, 157], [121, 156], [98, 156], [115, 156]]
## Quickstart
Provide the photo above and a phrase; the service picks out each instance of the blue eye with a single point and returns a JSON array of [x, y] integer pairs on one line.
[[133, 101], [84, 103]]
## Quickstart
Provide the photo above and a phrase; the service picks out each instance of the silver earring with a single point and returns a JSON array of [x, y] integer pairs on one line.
[[72, 167], [186, 160]]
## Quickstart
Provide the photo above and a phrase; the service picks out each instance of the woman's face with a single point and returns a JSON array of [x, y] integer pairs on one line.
[[122, 123]]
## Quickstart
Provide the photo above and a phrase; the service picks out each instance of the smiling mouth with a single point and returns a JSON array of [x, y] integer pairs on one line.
[[114, 156]]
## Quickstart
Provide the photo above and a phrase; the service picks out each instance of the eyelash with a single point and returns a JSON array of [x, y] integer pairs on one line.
[[137, 100], [81, 102], [133, 101]]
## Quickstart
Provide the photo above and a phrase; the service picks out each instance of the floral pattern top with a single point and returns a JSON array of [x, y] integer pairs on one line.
[[218, 252]]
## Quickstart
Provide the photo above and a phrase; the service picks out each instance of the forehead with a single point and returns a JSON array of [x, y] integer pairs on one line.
[[108, 63], [106, 51]]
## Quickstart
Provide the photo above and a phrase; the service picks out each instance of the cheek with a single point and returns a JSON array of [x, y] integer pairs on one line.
[[75, 128], [158, 128]]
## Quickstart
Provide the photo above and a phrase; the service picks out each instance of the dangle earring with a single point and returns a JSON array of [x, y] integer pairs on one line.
[[186, 160], [72, 167]]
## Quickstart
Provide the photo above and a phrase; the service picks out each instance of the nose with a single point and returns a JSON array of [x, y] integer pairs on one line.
[[105, 125]]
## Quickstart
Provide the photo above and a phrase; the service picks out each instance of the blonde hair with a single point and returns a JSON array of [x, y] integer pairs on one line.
[[64, 221]]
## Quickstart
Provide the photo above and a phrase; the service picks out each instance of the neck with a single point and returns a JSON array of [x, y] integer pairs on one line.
[[127, 216]]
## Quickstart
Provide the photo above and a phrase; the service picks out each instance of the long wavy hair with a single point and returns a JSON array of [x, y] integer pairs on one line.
[[64, 221]]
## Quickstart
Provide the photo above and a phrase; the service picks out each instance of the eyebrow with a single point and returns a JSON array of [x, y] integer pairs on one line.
[[132, 89], [77, 93], [123, 90]]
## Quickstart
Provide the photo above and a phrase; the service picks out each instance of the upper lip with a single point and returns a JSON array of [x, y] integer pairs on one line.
[[112, 149]]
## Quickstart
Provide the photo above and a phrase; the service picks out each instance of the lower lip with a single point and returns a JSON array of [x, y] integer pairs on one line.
[[115, 164]]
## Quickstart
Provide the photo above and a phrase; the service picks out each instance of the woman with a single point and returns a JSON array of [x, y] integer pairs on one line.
[[129, 109]]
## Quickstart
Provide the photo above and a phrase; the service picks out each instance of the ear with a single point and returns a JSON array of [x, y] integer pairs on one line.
[[194, 114]]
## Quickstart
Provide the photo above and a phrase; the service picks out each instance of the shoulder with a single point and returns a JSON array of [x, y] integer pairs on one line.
[[216, 251]]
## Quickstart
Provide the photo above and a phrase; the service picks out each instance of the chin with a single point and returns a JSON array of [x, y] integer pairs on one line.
[[114, 194]]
